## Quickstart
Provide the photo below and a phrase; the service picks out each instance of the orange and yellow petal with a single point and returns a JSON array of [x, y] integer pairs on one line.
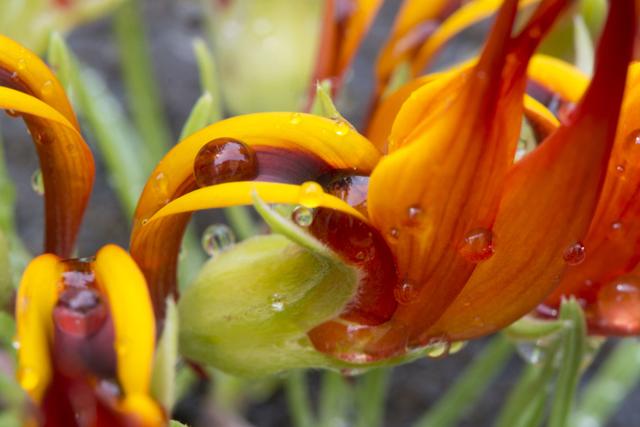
[[125, 288], [30, 89]]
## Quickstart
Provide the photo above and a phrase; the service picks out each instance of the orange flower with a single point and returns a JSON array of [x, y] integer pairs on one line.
[[85, 329]]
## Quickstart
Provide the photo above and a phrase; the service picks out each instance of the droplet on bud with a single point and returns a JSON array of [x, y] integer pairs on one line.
[[47, 89], [224, 160], [477, 245], [277, 302], [619, 303], [302, 216], [574, 254], [311, 194], [217, 238], [37, 182], [405, 293]]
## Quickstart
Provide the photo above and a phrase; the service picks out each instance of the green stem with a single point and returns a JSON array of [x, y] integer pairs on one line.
[[334, 400], [370, 397], [470, 385], [610, 386], [139, 79], [298, 399]]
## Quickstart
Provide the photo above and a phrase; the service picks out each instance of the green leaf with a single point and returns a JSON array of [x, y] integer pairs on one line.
[[323, 104], [199, 116], [585, 52], [208, 78], [531, 329], [6, 279], [164, 367], [174, 423], [573, 348]]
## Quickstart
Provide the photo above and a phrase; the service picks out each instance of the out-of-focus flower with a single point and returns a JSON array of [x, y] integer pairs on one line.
[[453, 240], [85, 328], [31, 22]]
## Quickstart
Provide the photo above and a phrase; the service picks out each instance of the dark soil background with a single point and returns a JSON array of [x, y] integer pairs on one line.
[[171, 25]]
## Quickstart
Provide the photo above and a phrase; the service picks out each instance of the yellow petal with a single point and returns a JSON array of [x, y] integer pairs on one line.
[[120, 279], [36, 298]]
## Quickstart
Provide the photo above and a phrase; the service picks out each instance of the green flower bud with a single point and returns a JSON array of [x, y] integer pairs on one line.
[[250, 308]]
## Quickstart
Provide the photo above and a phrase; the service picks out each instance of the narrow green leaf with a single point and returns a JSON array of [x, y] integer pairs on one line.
[[370, 397], [208, 78], [323, 104], [573, 348], [530, 329], [335, 398], [199, 116], [164, 367], [298, 399]]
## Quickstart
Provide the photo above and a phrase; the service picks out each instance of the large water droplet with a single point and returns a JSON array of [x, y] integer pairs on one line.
[[574, 254], [37, 182], [46, 89], [619, 303], [302, 216], [217, 238], [405, 293], [311, 194], [342, 127], [277, 302], [477, 245], [28, 378], [224, 160]]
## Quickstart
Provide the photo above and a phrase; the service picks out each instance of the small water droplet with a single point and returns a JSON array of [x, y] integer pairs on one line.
[[28, 378], [437, 349], [302, 216], [477, 245], [619, 303], [15, 344], [414, 214], [342, 127], [616, 226], [620, 168], [405, 293], [457, 346], [144, 221], [217, 238], [224, 160], [161, 186], [394, 233], [47, 89], [296, 119], [22, 64], [277, 303], [574, 254], [37, 182], [311, 194]]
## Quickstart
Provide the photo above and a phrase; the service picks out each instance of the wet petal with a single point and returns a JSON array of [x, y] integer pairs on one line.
[[124, 286], [450, 150], [65, 160], [36, 298], [550, 197]]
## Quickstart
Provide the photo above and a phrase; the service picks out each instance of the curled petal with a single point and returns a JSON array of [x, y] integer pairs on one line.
[[65, 160], [36, 298], [548, 205], [125, 288]]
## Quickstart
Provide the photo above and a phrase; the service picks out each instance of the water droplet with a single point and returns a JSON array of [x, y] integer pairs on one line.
[[342, 127], [619, 303], [37, 182], [620, 168], [634, 137], [574, 254], [224, 160], [414, 214], [394, 233], [161, 186], [144, 221], [47, 89], [311, 194], [302, 216], [28, 378], [437, 349], [616, 226], [217, 238], [530, 351], [15, 344], [296, 119], [22, 64], [277, 303], [477, 245], [405, 293], [457, 346]]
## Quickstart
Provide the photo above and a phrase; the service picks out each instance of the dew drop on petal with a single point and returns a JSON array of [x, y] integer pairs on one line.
[[22, 64], [37, 182], [574, 254], [405, 293], [46, 89], [620, 168], [160, 185], [457, 346], [224, 160], [477, 245], [616, 226], [437, 349], [619, 303], [342, 127], [277, 303], [414, 214], [302, 216], [311, 194], [28, 378], [394, 233], [295, 119], [217, 238]]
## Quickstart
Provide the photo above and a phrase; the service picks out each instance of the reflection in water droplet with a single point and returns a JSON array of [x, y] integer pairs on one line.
[[224, 160], [302, 216], [619, 303], [311, 194], [342, 127], [394, 233], [28, 378], [574, 254], [296, 119], [46, 89], [277, 302], [405, 293], [477, 245], [414, 214], [217, 238], [437, 349], [37, 182]]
